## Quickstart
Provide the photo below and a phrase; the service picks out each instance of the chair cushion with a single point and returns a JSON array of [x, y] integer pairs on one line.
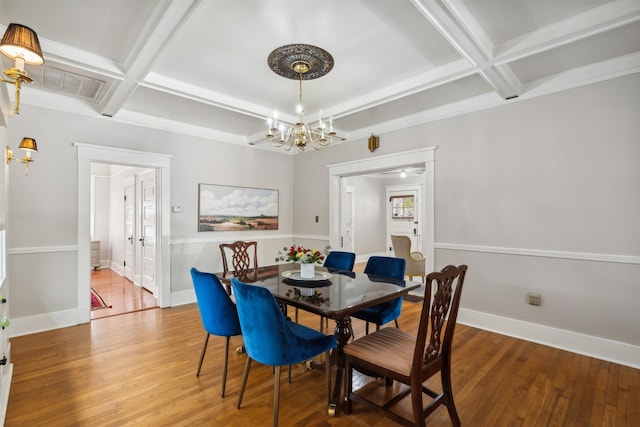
[[389, 348]]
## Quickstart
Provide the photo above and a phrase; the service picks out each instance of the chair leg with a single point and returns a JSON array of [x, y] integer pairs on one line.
[[397, 326], [416, 404], [204, 350], [445, 375], [226, 364], [296, 315], [366, 330], [348, 385], [276, 397], [245, 375]]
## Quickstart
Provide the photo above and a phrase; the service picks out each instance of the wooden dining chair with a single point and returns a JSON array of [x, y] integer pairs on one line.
[[409, 359], [244, 261]]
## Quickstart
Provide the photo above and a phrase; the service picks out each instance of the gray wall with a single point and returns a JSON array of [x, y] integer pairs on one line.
[[44, 207], [539, 195]]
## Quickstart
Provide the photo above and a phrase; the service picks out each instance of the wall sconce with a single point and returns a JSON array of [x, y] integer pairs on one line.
[[29, 146], [374, 143], [21, 44]]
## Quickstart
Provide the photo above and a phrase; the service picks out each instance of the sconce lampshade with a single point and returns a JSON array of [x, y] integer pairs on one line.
[[28, 144], [22, 41]]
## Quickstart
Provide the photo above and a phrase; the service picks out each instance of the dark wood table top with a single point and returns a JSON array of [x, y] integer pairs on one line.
[[338, 296]]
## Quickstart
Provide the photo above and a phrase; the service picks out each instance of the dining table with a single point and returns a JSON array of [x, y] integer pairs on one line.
[[335, 294]]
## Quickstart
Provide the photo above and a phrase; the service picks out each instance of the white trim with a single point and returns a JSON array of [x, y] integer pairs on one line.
[[6, 374], [186, 296], [220, 238], [42, 249], [310, 237], [425, 156], [583, 256], [600, 348], [88, 153], [48, 321]]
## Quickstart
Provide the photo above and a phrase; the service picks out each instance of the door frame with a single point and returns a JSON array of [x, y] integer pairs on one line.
[[88, 153], [425, 156]]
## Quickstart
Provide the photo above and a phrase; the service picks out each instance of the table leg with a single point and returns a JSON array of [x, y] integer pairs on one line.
[[343, 333]]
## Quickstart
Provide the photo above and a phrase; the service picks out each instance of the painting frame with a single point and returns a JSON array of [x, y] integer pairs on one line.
[[234, 208]]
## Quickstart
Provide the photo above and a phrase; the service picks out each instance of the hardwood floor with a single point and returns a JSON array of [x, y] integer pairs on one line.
[[139, 369], [119, 293]]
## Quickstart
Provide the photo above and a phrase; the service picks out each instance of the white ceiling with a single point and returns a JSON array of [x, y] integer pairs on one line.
[[200, 67]]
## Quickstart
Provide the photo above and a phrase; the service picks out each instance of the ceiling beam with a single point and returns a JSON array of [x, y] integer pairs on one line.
[[460, 29], [604, 18], [167, 22]]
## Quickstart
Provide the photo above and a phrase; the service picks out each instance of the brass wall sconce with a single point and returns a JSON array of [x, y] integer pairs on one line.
[[28, 145], [21, 44], [374, 143]]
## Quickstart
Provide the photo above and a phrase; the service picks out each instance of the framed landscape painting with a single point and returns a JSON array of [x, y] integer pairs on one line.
[[226, 208]]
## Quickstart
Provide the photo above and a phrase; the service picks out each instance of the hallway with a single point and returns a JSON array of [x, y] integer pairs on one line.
[[119, 293]]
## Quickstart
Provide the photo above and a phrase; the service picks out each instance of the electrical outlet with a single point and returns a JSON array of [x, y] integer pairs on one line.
[[534, 299]]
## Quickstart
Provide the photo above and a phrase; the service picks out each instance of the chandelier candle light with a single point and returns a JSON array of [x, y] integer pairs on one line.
[[300, 62]]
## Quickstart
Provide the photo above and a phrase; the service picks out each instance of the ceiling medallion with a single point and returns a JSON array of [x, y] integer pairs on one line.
[[300, 62], [285, 59]]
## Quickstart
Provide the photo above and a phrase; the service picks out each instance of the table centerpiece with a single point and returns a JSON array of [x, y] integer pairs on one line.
[[307, 258]]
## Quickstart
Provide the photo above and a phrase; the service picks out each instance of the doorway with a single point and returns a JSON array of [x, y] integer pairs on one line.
[[403, 214], [160, 163], [123, 206], [423, 157]]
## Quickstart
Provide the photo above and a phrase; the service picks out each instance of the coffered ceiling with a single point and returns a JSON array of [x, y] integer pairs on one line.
[[200, 66]]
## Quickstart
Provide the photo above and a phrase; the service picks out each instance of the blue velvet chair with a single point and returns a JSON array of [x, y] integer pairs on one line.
[[218, 313], [271, 339], [385, 267], [337, 260]]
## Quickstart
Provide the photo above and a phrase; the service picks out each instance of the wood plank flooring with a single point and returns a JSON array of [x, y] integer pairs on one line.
[[139, 369], [118, 292]]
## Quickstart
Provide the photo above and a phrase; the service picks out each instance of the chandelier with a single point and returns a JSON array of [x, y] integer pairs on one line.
[[300, 62]]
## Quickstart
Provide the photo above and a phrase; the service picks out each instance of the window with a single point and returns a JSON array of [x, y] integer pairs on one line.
[[401, 206]]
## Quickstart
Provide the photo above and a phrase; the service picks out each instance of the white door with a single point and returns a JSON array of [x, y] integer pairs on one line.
[[148, 230], [129, 228], [403, 213], [347, 225]]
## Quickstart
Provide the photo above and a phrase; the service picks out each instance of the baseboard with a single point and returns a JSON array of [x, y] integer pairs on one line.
[[183, 297], [600, 348], [44, 322]]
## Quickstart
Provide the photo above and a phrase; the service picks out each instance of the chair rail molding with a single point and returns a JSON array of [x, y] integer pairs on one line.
[[583, 256]]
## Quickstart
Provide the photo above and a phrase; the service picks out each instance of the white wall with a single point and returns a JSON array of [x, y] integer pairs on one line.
[[538, 195]]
